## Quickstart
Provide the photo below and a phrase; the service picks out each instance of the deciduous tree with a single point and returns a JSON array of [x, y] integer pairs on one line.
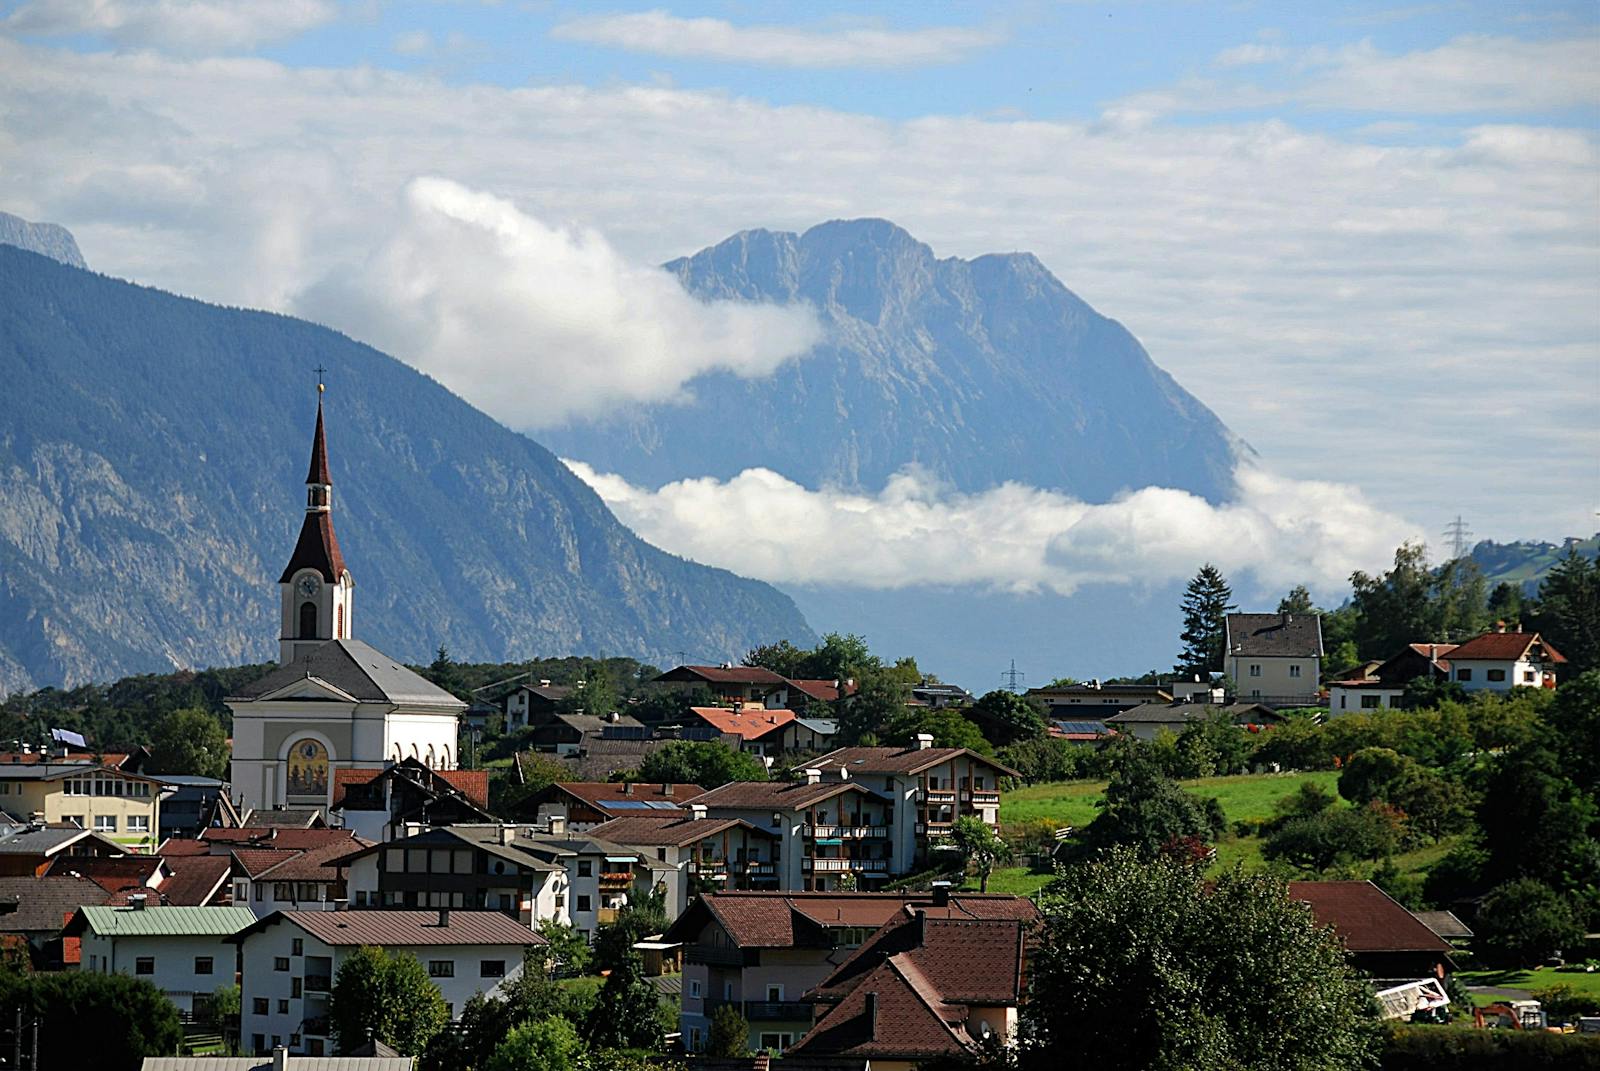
[[189, 741], [979, 845], [385, 996], [707, 763]]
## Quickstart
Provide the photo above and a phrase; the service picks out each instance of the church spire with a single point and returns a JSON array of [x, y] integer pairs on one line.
[[318, 473], [316, 585]]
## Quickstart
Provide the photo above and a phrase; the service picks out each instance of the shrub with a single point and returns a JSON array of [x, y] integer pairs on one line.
[[1522, 923], [1463, 1048]]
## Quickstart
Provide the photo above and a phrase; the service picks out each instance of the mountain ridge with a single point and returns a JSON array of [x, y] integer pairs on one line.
[[151, 463], [977, 371], [47, 239]]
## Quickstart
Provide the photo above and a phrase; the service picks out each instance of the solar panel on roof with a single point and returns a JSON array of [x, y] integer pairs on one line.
[[660, 805], [1080, 726], [624, 805]]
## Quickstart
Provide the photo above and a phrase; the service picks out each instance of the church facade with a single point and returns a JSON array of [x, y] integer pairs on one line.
[[334, 702]]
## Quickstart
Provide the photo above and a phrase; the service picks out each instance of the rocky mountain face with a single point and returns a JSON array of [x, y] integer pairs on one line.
[[979, 371], [46, 239], [152, 458]]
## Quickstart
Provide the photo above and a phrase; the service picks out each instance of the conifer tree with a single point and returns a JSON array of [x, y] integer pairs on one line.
[[1206, 605]]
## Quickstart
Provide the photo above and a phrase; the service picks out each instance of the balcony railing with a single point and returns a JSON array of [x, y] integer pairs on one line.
[[708, 866], [759, 870], [318, 983], [607, 915], [848, 832], [714, 955], [840, 866], [980, 795], [766, 1011]]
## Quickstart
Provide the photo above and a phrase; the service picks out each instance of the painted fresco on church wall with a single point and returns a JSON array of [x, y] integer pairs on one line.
[[308, 768]]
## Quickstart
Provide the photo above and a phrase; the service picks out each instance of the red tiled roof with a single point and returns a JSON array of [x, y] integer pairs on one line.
[[667, 830], [749, 723], [405, 929], [253, 862], [278, 837], [898, 760], [178, 847], [350, 776], [196, 880], [1503, 647], [315, 864], [774, 795], [822, 691], [1365, 917], [769, 919], [908, 1021], [112, 873], [724, 674], [473, 784]]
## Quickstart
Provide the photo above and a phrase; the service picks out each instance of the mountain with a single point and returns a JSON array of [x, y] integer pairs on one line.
[[1524, 563], [152, 456], [979, 371], [47, 239]]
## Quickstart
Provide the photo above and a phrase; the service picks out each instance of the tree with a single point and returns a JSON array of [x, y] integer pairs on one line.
[[1536, 823], [947, 727], [387, 997], [1213, 745], [1574, 720], [445, 673], [595, 695], [1433, 804], [627, 1013], [1144, 964], [979, 845], [730, 1033], [1298, 601], [1569, 610], [707, 763], [566, 951], [547, 1045], [644, 915], [1145, 810], [1522, 923], [1338, 834], [783, 658], [1392, 608], [877, 702], [189, 741], [222, 1011], [1006, 717], [110, 1022], [1206, 605], [1372, 772]]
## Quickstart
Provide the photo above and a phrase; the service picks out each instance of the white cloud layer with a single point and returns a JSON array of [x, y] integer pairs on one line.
[[537, 324], [1012, 538], [174, 25], [1417, 318], [663, 34]]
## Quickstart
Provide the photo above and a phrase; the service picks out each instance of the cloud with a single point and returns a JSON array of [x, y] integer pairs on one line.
[[1356, 310], [1013, 538], [414, 43], [538, 324], [1248, 55], [661, 33], [173, 25]]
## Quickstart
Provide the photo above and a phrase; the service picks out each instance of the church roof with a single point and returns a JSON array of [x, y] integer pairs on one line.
[[318, 473], [359, 670], [317, 548]]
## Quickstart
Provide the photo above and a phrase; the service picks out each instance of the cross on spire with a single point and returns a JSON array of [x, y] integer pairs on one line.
[[320, 370]]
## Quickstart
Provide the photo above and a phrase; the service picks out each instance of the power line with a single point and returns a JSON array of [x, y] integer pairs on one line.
[[1459, 536], [1013, 677]]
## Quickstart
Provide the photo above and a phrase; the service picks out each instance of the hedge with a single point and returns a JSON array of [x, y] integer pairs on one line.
[[1465, 1048]]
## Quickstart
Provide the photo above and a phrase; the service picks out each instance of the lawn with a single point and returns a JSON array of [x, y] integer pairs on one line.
[[1582, 982], [1073, 803]]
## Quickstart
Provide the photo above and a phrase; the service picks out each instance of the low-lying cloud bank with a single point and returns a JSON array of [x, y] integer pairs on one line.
[[538, 324], [915, 533]]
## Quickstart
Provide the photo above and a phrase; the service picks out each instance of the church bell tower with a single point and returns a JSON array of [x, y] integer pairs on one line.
[[316, 589]]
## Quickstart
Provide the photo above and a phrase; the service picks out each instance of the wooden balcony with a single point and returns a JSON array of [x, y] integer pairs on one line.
[[766, 1011], [606, 915], [937, 795], [842, 866], [848, 832], [714, 956]]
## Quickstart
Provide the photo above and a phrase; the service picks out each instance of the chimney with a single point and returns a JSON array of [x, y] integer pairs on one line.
[[697, 811], [813, 775], [508, 834], [924, 741], [136, 901], [1285, 618], [558, 823], [627, 788], [1499, 626], [872, 1016], [668, 789], [941, 894], [543, 683], [280, 1058], [444, 918]]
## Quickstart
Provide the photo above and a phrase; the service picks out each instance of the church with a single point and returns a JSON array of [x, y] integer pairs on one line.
[[334, 703]]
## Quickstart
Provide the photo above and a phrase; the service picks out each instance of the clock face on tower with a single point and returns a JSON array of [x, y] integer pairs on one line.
[[309, 586]]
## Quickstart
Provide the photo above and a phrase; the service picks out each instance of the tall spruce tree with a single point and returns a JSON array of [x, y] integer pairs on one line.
[[1205, 609]]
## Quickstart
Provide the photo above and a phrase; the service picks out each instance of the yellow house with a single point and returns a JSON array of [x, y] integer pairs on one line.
[[115, 803]]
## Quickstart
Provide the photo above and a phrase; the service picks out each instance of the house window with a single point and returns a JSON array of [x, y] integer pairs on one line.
[[283, 1007], [661, 854], [1463, 674], [1294, 671], [774, 994], [492, 968], [259, 1006], [1495, 674], [561, 901], [441, 968], [73, 819], [585, 868], [144, 965], [202, 965], [1528, 676], [105, 823], [297, 947], [138, 823], [1371, 702], [1255, 669], [694, 987], [779, 1042], [259, 1043], [694, 1039], [261, 892], [295, 986], [583, 903], [280, 963]]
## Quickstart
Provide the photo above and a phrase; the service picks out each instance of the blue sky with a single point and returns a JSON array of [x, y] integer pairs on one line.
[[1367, 235]]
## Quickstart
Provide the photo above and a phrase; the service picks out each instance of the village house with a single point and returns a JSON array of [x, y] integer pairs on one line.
[[763, 951], [378, 803], [182, 951], [1500, 661], [691, 855], [290, 958], [1093, 701], [745, 685], [758, 730], [531, 704], [585, 804], [826, 832], [1150, 720], [101, 796], [463, 866], [190, 803], [33, 911], [1274, 658], [198, 877], [1381, 686], [1382, 939], [31, 849]]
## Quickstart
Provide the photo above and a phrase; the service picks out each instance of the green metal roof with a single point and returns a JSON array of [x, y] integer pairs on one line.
[[167, 921]]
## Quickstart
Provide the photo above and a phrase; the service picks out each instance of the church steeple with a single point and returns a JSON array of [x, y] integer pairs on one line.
[[315, 585]]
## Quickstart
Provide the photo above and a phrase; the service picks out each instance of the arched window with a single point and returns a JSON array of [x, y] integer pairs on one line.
[[430, 756], [308, 621], [445, 763]]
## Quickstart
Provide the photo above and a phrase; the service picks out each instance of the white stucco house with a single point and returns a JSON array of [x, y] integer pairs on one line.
[[182, 951]]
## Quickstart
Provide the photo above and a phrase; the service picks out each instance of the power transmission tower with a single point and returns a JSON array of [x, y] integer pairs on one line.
[[1460, 537], [1013, 677]]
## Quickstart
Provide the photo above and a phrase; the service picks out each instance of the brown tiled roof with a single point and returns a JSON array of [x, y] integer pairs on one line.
[[897, 760], [196, 880], [253, 862], [44, 904], [278, 837], [112, 873], [747, 723], [969, 961], [774, 795], [667, 830], [1274, 635], [175, 847], [599, 793], [473, 784], [765, 919], [1504, 647], [822, 691], [1365, 917], [353, 775], [314, 864], [910, 1020], [404, 928], [723, 675]]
